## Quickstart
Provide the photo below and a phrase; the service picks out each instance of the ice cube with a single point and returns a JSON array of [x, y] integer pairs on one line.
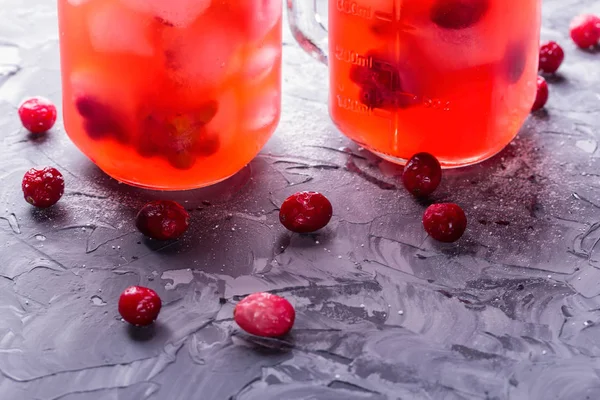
[[478, 44], [118, 29], [205, 56], [261, 63], [180, 13], [262, 111], [259, 16]]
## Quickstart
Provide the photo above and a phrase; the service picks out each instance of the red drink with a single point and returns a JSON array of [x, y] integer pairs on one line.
[[170, 94], [454, 78]]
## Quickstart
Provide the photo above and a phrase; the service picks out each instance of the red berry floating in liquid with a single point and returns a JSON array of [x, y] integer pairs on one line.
[[422, 174], [445, 222], [162, 220], [541, 96], [458, 14], [551, 57], [139, 305], [37, 114], [265, 314], [381, 84], [43, 187], [305, 212], [515, 61], [585, 30], [99, 120]]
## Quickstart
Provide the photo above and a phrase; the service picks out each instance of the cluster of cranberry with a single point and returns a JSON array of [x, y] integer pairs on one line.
[[585, 33], [178, 136], [261, 314]]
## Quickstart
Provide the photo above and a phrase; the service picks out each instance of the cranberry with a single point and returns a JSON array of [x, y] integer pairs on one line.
[[179, 135], [422, 174], [585, 30], [139, 305], [162, 220], [43, 187], [37, 114], [207, 145], [541, 96], [265, 314], [100, 120], [445, 222], [183, 160], [305, 212], [551, 56], [380, 84], [380, 74], [458, 14], [515, 60]]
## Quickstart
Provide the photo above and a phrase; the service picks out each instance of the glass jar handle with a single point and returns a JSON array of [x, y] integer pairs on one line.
[[308, 27]]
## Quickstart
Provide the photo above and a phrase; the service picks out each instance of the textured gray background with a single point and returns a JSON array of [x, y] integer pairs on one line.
[[511, 312]]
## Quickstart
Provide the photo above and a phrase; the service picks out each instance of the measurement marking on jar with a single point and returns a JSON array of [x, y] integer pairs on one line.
[[353, 8], [352, 57], [353, 105], [384, 16]]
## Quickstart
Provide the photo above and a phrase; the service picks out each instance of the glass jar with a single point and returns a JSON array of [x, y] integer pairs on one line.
[[170, 95], [455, 78]]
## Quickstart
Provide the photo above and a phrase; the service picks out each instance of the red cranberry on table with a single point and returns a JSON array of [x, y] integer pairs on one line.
[[551, 57], [585, 30], [162, 220], [139, 305], [445, 222], [43, 187], [265, 314], [422, 174], [37, 114], [305, 212], [541, 96]]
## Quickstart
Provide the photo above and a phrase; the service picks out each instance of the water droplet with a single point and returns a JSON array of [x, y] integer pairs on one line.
[[14, 224], [400, 312], [97, 301], [41, 238]]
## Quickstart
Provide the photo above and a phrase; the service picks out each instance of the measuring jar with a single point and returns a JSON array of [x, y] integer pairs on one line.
[[171, 94], [455, 78]]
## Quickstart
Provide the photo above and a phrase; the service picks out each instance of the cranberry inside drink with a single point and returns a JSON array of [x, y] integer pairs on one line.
[[454, 78]]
